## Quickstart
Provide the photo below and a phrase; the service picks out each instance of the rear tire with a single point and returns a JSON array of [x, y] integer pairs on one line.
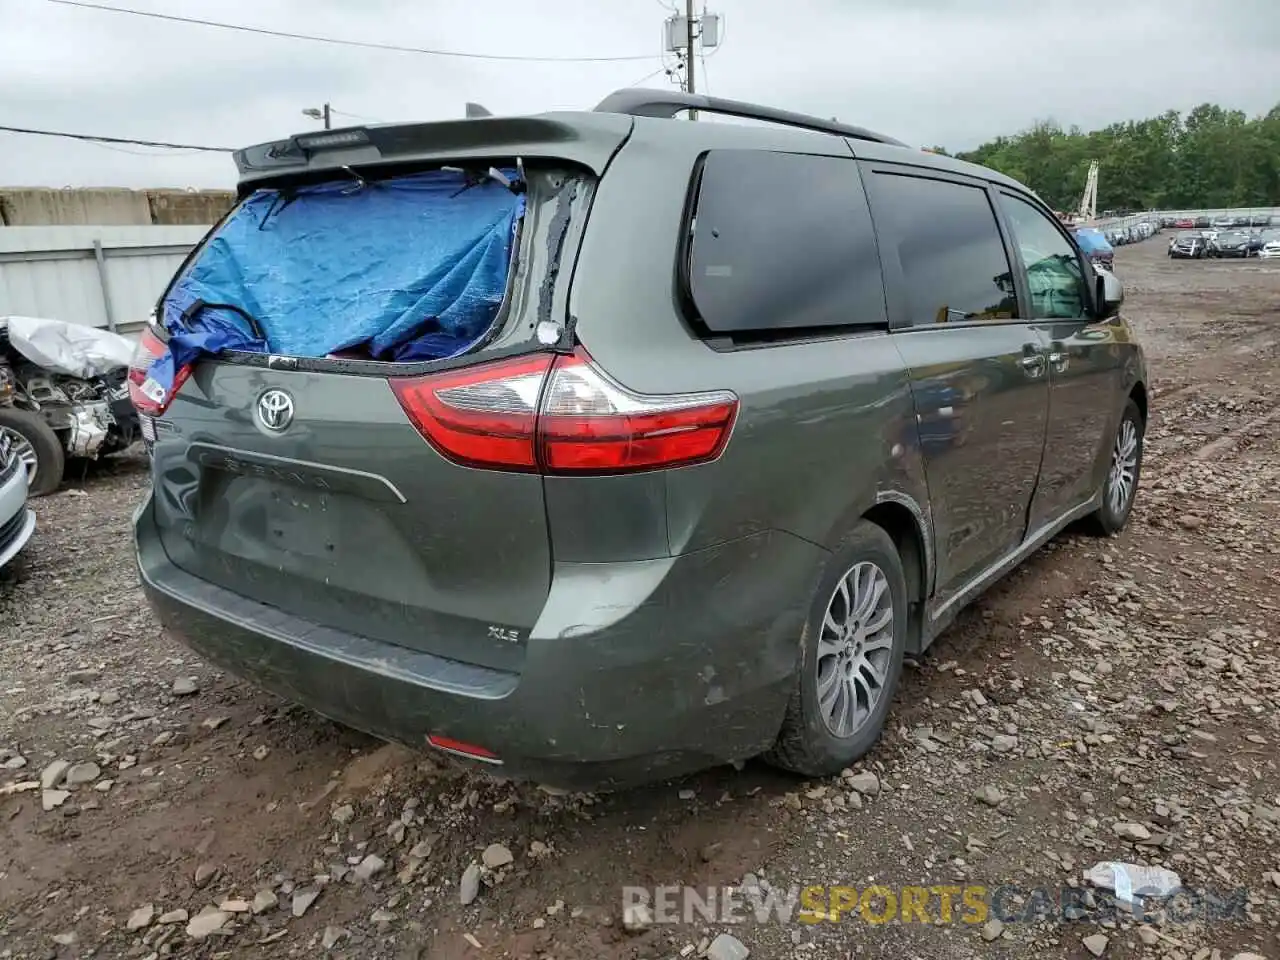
[[39, 438], [1124, 470], [851, 658]]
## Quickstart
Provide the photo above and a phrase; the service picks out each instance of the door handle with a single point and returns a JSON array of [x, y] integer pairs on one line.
[[1033, 365], [1058, 360]]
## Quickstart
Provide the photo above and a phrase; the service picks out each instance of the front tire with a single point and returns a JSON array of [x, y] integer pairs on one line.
[[38, 446], [1120, 489], [851, 659]]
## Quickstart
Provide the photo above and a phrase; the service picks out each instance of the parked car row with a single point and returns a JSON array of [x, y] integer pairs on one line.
[[1132, 233], [1212, 244], [1099, 243], [1221, 223]]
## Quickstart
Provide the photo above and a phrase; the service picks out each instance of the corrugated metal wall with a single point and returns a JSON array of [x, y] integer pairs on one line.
[[75, 206], [99, 276]]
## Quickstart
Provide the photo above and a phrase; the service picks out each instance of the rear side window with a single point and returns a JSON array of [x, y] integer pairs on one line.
[[1053, 268], [945, 237], [782, 243]]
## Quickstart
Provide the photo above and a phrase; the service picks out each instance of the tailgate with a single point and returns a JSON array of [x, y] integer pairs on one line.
[[345, 516]]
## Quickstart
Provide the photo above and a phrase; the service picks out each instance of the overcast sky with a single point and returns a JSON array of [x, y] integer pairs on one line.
[[950, 72]]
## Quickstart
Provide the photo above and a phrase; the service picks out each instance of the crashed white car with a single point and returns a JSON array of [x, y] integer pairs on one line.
[[63, 394], [17, 521]]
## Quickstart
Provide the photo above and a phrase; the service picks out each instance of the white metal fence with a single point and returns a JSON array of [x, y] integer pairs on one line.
[[99, 276]]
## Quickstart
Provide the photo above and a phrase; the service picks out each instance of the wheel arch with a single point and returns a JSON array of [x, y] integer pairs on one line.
[[1138, 394], [907, 524]]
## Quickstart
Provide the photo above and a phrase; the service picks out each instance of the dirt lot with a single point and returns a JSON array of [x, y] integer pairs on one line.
[[1112, 700]]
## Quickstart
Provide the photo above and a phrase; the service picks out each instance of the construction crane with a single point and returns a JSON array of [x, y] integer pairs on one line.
[[1088, 211]]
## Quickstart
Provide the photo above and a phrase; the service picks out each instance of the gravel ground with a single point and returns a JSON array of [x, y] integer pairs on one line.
[[1110, 701]]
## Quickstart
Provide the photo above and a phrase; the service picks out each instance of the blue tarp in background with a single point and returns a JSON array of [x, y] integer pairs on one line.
[[412, 268], [1092, 241]]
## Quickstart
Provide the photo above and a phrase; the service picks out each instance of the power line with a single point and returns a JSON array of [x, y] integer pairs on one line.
[[141, 153], [89, 138], [366, 44], [649, 76], [355, 116]]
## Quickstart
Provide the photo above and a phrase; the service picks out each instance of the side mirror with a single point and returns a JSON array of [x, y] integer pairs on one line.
[[1110, 294]]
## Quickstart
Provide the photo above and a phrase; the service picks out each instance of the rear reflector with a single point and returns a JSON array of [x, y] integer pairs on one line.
[[450, 745], [562, 415]]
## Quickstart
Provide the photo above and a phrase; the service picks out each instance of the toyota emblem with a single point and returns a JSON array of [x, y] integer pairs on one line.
[[275, 410]]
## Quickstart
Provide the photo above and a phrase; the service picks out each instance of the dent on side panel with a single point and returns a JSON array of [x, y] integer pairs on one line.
[[824, 430], [711, 630], [607, 519]]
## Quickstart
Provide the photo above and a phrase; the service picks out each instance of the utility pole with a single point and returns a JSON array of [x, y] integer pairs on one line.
[[685, 35], [691, 35], [315, 113]]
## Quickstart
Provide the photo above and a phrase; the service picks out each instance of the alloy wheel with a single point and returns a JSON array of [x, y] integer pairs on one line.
[[1124, 468], [24, 450], [855, 649]]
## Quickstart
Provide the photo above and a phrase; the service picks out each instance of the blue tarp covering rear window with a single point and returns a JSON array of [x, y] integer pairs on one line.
[[412, 268]]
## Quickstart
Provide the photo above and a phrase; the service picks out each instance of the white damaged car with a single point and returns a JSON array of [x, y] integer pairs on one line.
[[63, 395]]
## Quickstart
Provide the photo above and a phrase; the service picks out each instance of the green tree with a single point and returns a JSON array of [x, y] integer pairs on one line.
[[1213, 157]]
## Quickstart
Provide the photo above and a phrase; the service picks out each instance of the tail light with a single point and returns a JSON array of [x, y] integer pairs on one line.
[[149, 397], [589, 424], [562, 415], [483, 416]]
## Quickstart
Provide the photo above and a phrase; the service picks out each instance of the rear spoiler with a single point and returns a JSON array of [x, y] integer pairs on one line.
[[586, 139]]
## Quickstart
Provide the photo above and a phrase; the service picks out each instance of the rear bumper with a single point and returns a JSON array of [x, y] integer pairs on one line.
[[17, 523], [635, 671]]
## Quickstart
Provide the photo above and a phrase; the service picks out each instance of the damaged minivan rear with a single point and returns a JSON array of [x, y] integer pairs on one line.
[[604, 446], [391, 482]]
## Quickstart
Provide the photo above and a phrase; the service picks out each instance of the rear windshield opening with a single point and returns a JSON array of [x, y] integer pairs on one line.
[[402, 269]]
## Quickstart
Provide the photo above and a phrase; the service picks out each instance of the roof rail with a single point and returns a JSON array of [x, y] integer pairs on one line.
[[665, 104]]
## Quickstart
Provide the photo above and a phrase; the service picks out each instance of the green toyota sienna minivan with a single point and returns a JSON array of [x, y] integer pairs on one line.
[[604, 446]]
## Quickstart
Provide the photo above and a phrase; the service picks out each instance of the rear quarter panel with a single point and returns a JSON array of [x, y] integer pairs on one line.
[[825, 427]]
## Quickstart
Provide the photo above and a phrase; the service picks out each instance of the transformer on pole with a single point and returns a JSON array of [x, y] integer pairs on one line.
[[684, 36]]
